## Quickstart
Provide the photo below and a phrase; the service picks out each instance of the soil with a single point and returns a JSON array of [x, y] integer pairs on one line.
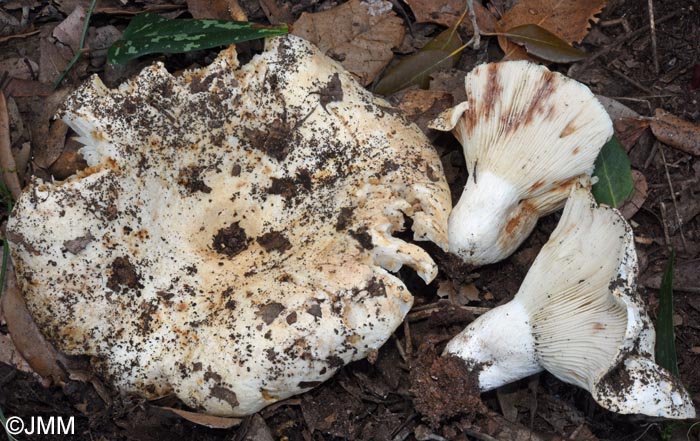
[[407, 392]]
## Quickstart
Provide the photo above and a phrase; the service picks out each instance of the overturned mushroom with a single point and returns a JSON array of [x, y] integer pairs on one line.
[[577, 315], [231, 241], [527, 135]]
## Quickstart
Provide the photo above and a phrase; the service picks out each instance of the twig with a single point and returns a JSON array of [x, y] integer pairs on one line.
[[652, 25], [428, 310], [636, 84], [673, 198], [7, 161], [475, 41], [407, 336], [79, 52], [10, 37], [664, 224], [652, 153]]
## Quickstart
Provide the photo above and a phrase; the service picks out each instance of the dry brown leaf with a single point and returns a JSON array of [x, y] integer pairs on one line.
[[216, 10], [277, 11], [57, 47], [211, 421], [26, 337], [448, 12], [676, 132], [7, 161], [629, 130], [10, 355], [422, 106], [359, 34], [26, 88], [567, 19], [632, 205], [19, 67]]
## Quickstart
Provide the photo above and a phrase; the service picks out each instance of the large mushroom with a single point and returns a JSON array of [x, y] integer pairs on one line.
[[231, 241], [527, 134], [578, 315]]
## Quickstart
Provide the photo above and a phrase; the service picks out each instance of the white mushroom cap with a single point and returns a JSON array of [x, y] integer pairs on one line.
[[527, 135], [577, 315], [232, 240]]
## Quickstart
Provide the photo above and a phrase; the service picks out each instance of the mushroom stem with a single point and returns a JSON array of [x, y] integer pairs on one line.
[[578, 316], [487, 339], [527, 133]]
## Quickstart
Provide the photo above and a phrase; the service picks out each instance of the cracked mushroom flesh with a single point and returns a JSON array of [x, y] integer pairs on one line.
[[527, 134], [231, 241], [578, 315]]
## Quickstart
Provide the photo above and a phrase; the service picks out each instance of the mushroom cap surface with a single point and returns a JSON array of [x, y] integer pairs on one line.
[[231, 241], [578, 315], [527, 134]]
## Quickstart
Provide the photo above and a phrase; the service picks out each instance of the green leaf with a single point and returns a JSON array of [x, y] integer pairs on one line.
[[415, 69], [665, 340], [541, 43], [612, 168], [150, 33]]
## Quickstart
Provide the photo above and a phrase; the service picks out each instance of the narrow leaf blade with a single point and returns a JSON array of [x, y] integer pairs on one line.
[[665, 338], [612, 168], [149, 33], [541, 43], [416, 69]]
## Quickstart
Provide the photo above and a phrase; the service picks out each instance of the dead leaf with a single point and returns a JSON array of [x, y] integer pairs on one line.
[[422, 106], [211, 421], [69, 162], [10, 355], [277, 11], [216, 9], [27, 338], [415, 70], [448, 12], [629, 130], [567, 19], [26, 88], [359, 34], [7, 161], [633, 204], [543, 44], [19, 67], [685, 275], [45, 154], [69, 31], [451, 81], [676, 132], [57, 47]]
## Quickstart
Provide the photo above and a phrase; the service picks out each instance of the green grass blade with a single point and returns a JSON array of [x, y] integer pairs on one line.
[[612, 168], [3, 423], [150, 33], [665, 338]]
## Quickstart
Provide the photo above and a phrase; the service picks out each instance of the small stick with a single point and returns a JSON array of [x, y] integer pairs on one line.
[[475, 41], [664, 224], [673, 198], [407, 336], [652, 25], [7, 161], [27, 34], [636, 84], [652, 153]]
